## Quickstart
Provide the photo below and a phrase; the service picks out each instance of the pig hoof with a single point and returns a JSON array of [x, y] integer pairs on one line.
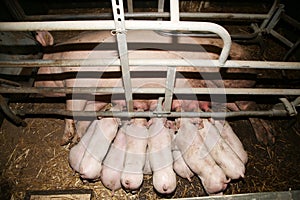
[[64, 141]]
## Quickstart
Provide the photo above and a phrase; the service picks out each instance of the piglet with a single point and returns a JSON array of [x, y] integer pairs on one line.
[[197, 157], [86, 157], [180, 167], [221, 152], [112, 166], [231, 139], [136, 138], [160, 156]]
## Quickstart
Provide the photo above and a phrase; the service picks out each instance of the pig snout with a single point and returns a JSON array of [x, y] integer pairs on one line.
[[135, 157], [160, 156], [113, 163]]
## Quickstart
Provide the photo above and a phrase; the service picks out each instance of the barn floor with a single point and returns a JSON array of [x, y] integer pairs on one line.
[[32, 159]]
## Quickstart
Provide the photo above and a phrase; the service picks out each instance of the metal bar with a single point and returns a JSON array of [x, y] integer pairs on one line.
[[118, 12], [290, 20], [15, 9], [174, 10], [170, 82], [291, 50], [117, 90], [281, 38], [275, 18], [287, 195], [159, 14], [156, 64], [129, 25], [270, 14], [9, 113], [160, 8], [130, 6], [93, 114]]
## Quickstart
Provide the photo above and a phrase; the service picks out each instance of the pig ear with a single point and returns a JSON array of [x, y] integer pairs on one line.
[[44, 38]]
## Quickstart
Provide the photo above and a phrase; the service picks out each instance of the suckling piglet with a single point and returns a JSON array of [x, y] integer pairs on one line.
[[221, 152], [160, 156], [86, 157], [135, 156], [180, 167], [197, 157], [112, 166], [77, 152], [232, 140]]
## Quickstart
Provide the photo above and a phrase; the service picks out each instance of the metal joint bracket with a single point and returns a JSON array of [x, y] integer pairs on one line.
[[290, 108], [159, 112]]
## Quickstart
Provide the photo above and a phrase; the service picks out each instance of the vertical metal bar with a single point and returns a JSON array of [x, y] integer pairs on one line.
[[160, 8], [161, 4], [130, 6], [275, 18], [118, 11], [174, 10], [170, 82]]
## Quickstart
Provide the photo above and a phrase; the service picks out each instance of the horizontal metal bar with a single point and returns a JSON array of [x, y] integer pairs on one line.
[[287, 195], [105, 25], [156, 64], [94, 114], [129, 25], [119, 90], [136, 15]]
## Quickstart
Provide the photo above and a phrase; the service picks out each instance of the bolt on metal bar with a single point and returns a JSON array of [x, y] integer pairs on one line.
[[118, 12]]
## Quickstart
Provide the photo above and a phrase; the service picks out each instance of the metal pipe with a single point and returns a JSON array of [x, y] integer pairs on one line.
[[290, 20], [170, 82], [159, 14], [129, 25], [94, 114], [120, 90], [156, 64], [174, 9], [130, 6], [270, 14], [10, 114], [281, 38]]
